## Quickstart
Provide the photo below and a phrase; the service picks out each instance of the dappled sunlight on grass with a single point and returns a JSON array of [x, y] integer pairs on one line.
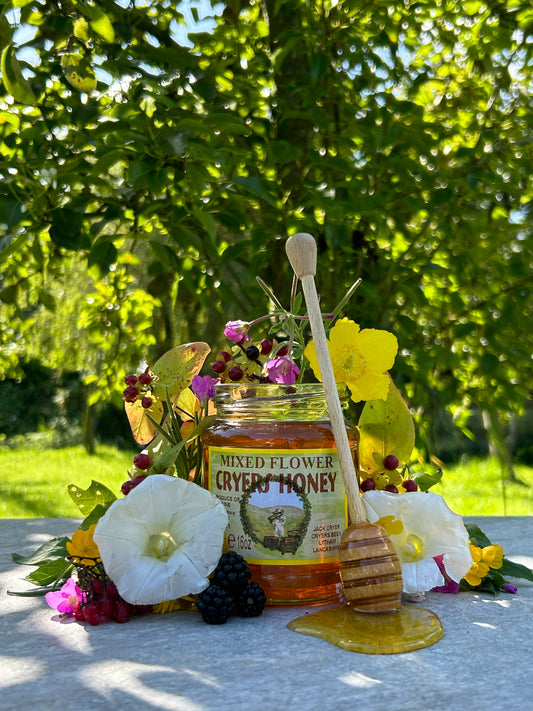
[[475, 488], [34, 482]]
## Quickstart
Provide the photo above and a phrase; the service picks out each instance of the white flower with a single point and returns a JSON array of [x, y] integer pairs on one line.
[[422, 526], [162, 540]]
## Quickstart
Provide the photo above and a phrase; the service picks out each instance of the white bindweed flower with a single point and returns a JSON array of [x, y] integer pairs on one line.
[[162, 540], [421, 527]]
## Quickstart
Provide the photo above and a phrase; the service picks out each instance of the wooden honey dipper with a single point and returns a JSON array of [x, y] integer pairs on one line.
[[370, 569]]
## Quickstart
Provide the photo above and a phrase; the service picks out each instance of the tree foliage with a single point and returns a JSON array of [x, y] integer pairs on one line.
[[147, 179]]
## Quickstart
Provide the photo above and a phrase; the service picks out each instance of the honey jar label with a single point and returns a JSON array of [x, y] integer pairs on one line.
[[284, 506]]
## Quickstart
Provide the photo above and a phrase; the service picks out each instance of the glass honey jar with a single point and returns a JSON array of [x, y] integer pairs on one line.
[[270, 457]]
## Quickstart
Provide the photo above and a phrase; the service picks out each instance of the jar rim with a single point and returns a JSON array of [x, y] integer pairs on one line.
[[265, 392]]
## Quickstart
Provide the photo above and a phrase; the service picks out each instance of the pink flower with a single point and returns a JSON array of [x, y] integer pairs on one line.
[[282, 370], [67, 599], [237, 331], [203, 387]]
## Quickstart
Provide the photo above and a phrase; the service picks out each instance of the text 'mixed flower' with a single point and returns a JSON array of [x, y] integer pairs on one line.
[[162, 540], [422, 527], [360, 359]]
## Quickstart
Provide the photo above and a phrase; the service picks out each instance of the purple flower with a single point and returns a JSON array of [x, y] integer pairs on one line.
[[67, 599], [509, 587], [203, 387], [451, 585], [282, 370], [237, 331]]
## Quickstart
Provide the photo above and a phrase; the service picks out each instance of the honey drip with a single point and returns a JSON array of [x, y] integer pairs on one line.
[[407, 629]]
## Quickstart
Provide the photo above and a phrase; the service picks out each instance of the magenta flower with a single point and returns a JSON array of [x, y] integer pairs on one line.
[[281, 370], [451, 586], [510, 588], [237, 331], [203, 387], [67, 599]]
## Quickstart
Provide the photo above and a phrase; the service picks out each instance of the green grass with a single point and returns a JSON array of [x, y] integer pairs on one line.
[[475, 489], [33, 483]]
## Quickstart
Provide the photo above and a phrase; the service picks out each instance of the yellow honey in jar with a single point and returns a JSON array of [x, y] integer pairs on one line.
[[270, 457]]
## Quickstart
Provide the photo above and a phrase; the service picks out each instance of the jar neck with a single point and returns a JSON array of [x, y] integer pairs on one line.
[[267, 402]]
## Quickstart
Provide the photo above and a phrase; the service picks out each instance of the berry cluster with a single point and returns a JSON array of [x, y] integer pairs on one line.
[[230, 592], [139, 387], [390, 479], [102, 600], [244, 362]]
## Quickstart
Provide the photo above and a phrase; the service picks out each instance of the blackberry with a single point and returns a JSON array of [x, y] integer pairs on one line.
[[232, 572], [215, 605], [250, 601]]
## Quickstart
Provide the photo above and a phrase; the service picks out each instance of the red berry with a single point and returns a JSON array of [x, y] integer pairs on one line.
[[130, 379], [218, 367], [93, 613], [122, 611], [142, 609], [224, 355], [130, 394], [391, 462], [235, 373], [111, 590], [130, 484], [145, 378], [146, 402], [142, 461], [393, 489], [265, 346], [79, 615], [98, 586], [283, 351], [368, 485], [410, 485], [108, 607]]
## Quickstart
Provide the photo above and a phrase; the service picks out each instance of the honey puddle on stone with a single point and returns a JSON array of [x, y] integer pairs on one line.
[[407, 629]]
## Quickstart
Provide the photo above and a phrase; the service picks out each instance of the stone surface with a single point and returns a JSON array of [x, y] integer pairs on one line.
[[177, 662]]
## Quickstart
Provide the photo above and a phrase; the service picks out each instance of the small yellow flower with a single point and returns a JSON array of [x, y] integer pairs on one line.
[[83, 548], [476, 552], [476, 573], [188, 602], [360, 359], [493, 556]]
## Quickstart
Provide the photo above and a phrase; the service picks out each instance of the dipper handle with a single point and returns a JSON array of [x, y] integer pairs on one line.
[[302, 254]]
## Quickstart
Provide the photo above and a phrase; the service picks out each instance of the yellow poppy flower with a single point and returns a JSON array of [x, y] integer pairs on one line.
[[493, 556], [82, 546], [360, 359]]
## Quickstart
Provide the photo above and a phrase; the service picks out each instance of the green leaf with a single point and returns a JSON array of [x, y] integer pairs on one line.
[[87, 499], [425, 480], [477, 536], [103, 26], [95, 515], [515, 570], [386, 427], [102, 256], [78, 72], [14, 81], [257, 187], [49, 572], [51, 550]]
